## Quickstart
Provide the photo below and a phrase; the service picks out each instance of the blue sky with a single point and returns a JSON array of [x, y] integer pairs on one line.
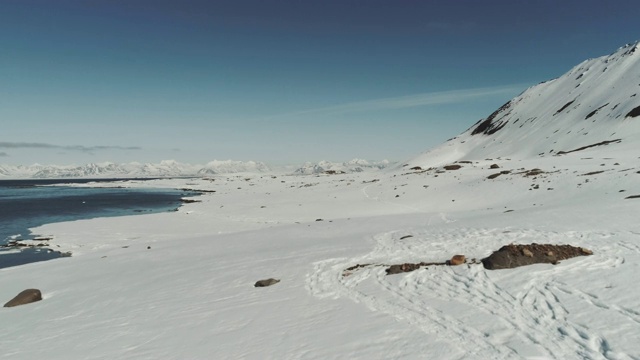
[[276, 81]]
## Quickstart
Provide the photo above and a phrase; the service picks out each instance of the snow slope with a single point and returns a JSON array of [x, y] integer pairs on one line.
[[179, 285], [596, 101]]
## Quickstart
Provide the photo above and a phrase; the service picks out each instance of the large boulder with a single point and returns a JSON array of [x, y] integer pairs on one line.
[[457, 260], [512, 256], [25, 297], [266, 282]]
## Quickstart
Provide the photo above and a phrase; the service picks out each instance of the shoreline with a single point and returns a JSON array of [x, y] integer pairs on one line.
[[30, 246]]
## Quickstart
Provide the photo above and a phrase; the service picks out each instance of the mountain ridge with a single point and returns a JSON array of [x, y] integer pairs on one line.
[[165, 168], [593, 104], [172, 168]]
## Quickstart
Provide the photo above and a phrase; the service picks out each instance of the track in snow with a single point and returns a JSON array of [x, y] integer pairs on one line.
[[463, 306]]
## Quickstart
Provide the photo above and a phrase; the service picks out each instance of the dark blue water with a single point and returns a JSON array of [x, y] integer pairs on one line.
[[26, 204]]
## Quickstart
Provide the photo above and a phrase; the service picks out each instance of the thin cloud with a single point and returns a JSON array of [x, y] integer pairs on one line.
[[402, 102], [27, 145]]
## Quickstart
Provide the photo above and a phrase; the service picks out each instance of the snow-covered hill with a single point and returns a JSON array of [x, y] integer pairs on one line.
[[597, 103], [232, 167], [166, 168]]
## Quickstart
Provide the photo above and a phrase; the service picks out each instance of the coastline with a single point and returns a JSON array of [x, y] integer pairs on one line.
[[24, 244]]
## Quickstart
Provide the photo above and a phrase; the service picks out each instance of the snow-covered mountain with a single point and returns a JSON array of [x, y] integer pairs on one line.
[[596, 103], [171, 168], [355, 165], [166, 168], [230, 167]]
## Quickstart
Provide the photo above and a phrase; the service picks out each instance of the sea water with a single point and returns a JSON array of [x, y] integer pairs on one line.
[[26, 204]]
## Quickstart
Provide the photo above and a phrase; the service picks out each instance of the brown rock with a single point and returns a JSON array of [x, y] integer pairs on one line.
[[395, 269], [457, 260], [25, 297], [526, 252], [586, 251], [402, 268], [266, 282], [512, 256], [452, 167], [494, 166]]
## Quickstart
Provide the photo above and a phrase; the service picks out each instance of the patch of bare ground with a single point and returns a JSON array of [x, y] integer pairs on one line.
[[633, 113], [507, 257], [409, 267], [564, 107], [452, 167], [488, 126], [189, 201], [417, 170], [503, 172], [592, 173], [532, 172], [607, 142]]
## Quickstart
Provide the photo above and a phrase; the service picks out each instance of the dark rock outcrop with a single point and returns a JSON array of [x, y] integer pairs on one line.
[[409, 267], [25, 297], [512, 256], [266, 282], [489, 126], [452, 167], [633, 113]]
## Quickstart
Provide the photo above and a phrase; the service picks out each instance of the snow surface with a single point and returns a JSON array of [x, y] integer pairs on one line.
[[179, 285]]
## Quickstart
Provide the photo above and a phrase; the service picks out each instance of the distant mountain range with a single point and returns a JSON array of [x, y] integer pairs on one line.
[[167, 168], [170, 168], [595, 104], [327, 167]]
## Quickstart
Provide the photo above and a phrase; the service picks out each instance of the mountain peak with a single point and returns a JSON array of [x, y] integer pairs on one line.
[[596, 102]]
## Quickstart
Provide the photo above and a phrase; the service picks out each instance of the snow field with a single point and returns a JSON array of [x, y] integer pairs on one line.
[[191, 294]]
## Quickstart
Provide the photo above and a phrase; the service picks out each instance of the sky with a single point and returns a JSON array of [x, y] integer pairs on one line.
[[281, 82]]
